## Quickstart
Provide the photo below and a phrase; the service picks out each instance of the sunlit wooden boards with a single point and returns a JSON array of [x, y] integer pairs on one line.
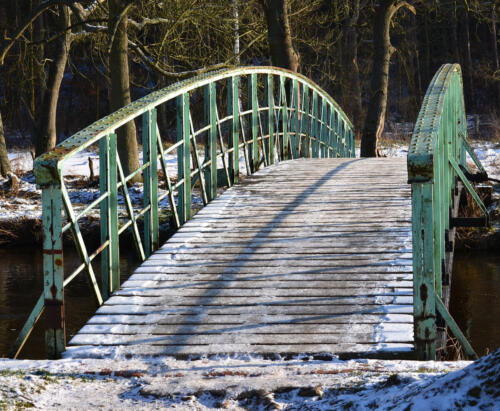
[[308, 256]]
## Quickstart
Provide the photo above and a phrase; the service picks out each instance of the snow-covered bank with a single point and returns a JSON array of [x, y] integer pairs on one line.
[[250, 383]]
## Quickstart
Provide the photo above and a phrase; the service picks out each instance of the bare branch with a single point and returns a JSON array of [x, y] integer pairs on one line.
[[139, 25], [174, 75]]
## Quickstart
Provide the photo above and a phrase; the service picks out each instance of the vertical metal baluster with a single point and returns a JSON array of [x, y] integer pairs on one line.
[[270, 118], [305, 123], [53, 271], [284, 121], [234, 137], [211, 142], [314, 125], [114, 257], [252, 98], [331, 122], [295, 120], [323, 131], [149, 146], [184, 158], [104, 222]]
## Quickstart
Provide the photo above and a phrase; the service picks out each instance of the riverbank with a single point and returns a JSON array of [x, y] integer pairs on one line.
[[20, 220], [250, 383]]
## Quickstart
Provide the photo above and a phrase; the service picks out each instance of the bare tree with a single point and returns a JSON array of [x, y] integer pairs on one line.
[[278, 31], [120, 82], [46, 134], [383, 49]]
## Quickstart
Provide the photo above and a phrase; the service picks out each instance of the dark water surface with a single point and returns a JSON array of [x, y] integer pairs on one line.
[[475, 297], [21, 284]]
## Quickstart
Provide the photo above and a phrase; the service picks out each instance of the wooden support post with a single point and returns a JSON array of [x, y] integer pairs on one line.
[[150, 155], [184, 158], [53, 272], [211, 142], [424, 301], [234, 136]]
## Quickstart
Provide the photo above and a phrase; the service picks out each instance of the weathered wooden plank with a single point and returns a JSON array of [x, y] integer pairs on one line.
[[378, 306], [257, 328], [220, 291], [296, 278], [89, 351], [364, 297], [273, 270], [202, 339], [255, 282], [204, 318]]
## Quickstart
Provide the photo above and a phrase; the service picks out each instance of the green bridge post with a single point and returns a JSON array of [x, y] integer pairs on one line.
[[437, 150]]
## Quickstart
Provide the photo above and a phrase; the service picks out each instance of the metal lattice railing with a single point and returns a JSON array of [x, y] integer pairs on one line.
[[436, 164], [286, 116]]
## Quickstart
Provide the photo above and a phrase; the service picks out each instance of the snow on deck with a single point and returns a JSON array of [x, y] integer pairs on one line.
[[305, 256]]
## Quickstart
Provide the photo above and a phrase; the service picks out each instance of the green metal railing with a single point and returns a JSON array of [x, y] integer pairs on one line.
[[286, 116], [436, 161]]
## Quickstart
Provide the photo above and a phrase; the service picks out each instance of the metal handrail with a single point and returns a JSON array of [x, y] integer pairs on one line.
[[437, 152], [288, 118]]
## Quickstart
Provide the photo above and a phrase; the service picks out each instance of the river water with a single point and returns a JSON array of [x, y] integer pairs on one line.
[[475, 297]]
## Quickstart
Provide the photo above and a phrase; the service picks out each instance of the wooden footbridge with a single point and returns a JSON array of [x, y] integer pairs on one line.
[[314, 251]]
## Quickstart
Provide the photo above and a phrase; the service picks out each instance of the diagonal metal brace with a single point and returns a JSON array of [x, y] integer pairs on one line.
[[455, 329], [468, 185]]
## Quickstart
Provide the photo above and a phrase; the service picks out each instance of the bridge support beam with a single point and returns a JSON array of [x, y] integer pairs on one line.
[[424, 299], [53, 275]]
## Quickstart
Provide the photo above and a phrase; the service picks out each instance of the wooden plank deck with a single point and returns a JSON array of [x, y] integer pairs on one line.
[[310, 255]]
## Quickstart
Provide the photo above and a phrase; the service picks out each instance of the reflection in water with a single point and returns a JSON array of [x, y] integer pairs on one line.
[[21, 285], [475, 298]]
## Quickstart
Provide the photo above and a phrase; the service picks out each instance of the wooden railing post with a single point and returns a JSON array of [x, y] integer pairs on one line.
[[108, 180], [150, 155], [53, 271]]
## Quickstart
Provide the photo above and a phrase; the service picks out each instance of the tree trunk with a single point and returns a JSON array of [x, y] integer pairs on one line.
[[467, 60], [236, 30], [46, 135], [494, 49], [278, 31], [375, 117], [120, 88], [351, 94], [454, 34], [5, 169]]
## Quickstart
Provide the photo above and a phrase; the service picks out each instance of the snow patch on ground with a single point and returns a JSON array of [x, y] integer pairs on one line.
[[250, 382]]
